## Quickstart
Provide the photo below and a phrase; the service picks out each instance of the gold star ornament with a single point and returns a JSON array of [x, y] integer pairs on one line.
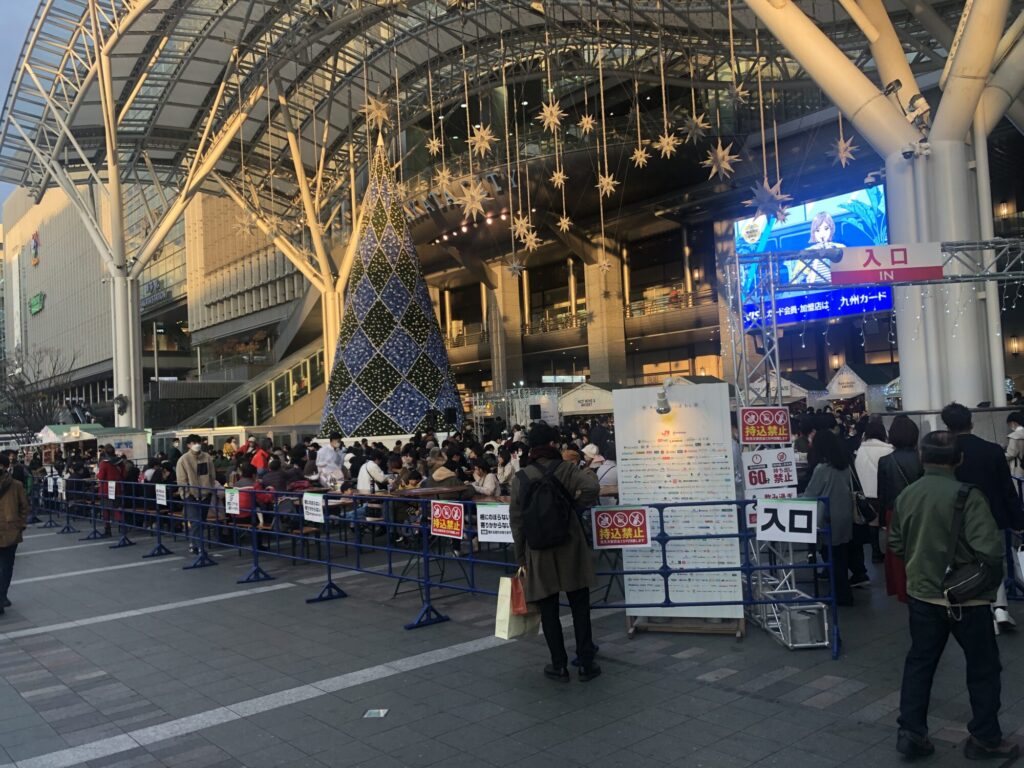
[[443, 180], [376, 113], [843, 152], [434, 146], [586, 124], [667, 144], [516, 267], [605, 266], [564, 224], [606, 184], [640, 157], [720, 161], [521, 226], [558, 179], [531, 242], [472, 199], [737, 94], [481, 140], [769, 200], [551, 115]]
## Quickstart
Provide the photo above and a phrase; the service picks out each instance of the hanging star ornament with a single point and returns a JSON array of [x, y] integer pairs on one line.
[[551, 115], [515, 267], [586, 124], [843, 152], [434, 146], [558, 179], [605, 266], [720, 160], [246, 225], [564, 224], [521, 226], [531, 242], [481, 140], [667, 144], [443, 180], [472, 199], [640, 157], [376, 113], [737, 94], [695, 128], [769, 200], [606, 184]]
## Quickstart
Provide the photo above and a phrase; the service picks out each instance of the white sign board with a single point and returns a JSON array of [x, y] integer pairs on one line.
[[684, 455], [793, 521], [62, 488], [912, 262], [111, 489], [313, 507], [50, 483], [769, 468], [161, 495], [231, 501], [493, 524]]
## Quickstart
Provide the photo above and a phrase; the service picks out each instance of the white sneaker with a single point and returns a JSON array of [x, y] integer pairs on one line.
[[1003, 619]]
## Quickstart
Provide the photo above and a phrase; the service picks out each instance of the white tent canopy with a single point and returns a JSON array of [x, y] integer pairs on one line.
[[791, 392], [584, 400], [63, 434]]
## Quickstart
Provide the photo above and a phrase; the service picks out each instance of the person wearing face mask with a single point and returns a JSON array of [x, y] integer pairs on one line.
[[195, 475], [329, 459]]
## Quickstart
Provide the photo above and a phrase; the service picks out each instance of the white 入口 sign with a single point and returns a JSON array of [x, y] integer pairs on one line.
[[794, 521]]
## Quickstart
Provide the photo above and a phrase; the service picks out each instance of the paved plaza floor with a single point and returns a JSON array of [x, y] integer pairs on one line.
[[108, 659]]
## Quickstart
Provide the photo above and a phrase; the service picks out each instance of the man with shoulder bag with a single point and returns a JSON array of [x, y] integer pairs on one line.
[[552, 549], [945, 533], [196, 478]]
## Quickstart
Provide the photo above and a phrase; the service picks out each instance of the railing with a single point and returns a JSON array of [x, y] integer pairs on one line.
[[556, 323], [676, 299], [465, 339], [395, 537]]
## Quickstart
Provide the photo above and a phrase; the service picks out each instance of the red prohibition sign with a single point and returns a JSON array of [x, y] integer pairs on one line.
[[750, 418], [446, 513], [456, 514], [620, 519], [782, 456], [781, 417], [767, 419], [636, 518], [604, 520]]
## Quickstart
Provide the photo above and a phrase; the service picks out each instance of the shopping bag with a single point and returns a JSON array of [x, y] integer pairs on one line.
[[519, 606], [1018, 566], [507, 624]]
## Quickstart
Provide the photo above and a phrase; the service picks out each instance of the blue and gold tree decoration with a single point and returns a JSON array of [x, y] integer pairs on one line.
[[391, 368]]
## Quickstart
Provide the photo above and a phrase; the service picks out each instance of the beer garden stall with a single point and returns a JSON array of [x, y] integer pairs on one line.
[[132, 443]]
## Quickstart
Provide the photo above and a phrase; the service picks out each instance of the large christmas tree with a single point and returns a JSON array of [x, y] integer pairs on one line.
[[391, 373]]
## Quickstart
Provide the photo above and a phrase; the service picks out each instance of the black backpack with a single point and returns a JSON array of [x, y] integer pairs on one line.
[[546, 507]]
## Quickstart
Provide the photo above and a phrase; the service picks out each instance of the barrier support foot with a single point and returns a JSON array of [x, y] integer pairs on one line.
[[202, 561], [96, 534], [255, 574], [49, 524], [428, 615], [158, 551], [331, 591], [124, 541], [68, 528]]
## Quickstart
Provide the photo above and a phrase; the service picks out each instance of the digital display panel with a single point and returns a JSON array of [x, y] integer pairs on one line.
[[855, 218]]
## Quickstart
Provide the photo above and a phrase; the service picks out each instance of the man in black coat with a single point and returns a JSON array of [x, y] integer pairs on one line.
[[984, 465]]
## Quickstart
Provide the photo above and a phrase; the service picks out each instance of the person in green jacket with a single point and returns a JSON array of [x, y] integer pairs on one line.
[[920, 534]]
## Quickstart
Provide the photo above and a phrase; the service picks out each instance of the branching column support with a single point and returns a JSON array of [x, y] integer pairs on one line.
[[330, 301]]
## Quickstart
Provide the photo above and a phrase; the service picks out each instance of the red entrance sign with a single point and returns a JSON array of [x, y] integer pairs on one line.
[[764, 425], [617, 527], [447, 519]]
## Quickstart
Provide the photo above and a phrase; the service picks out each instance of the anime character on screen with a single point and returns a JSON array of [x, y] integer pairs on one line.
[[823, 230]]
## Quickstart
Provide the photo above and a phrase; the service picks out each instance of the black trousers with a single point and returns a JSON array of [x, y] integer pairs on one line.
[[930, 628], [857, 566], [579, 604], [841, 568], [6, 570]]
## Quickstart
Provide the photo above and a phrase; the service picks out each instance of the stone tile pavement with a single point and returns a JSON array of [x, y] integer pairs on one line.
[[155, 666]]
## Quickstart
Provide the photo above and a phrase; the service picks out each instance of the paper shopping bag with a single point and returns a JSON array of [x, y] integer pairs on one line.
[[1018, 566], [507, 624]]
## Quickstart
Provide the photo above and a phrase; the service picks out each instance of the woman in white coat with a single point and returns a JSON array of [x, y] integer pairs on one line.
[[1015, 443], [872, 448]]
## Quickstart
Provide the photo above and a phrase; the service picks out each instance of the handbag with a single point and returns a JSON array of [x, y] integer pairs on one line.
[[863, 511], [970, 580], [508, 625]]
